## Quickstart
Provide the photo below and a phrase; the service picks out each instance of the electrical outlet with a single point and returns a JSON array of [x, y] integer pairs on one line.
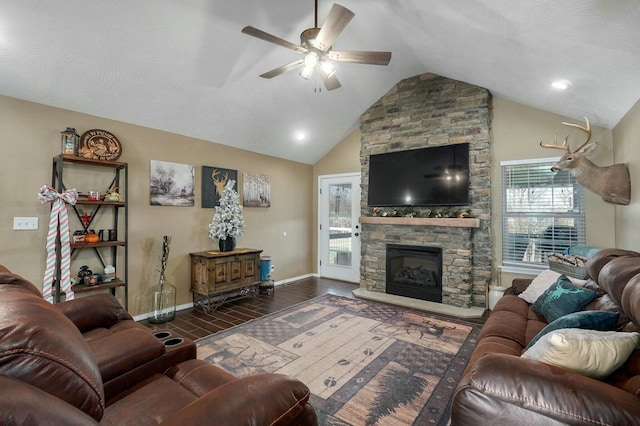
[[25, 223]]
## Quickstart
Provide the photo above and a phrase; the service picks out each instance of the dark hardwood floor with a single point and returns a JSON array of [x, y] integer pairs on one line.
[[195, 324]]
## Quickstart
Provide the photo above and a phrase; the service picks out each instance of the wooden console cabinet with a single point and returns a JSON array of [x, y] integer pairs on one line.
[[217, 277]]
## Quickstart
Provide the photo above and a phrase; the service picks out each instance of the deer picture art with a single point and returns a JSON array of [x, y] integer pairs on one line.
[[612, 183], [219, 181]]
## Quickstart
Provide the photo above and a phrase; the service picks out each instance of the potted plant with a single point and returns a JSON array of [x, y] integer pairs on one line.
[[227, 223]]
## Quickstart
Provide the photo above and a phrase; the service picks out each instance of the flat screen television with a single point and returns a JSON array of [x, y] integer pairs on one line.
[[425, 177]]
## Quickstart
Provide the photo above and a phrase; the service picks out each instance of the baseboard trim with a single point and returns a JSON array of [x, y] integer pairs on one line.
[[292, 279], [146, 315]]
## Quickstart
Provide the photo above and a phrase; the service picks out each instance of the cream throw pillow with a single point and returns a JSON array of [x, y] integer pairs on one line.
[[542, 282], [591, 353]]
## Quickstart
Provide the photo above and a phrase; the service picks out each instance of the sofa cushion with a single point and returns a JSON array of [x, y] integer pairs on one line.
[[562, 298], [591, 353], [542, 282], [591, 320], [539, 284], [584, 251]]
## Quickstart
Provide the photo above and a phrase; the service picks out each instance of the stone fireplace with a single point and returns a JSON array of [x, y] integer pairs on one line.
[[414, 271], [423, 111]]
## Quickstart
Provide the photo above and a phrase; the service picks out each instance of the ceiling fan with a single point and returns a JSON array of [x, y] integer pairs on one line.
[[315, 45]]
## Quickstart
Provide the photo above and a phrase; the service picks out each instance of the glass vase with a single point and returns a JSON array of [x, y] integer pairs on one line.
[[162, 301]]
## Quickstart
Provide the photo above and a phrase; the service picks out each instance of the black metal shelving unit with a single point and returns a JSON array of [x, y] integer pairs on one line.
[[105, 251]]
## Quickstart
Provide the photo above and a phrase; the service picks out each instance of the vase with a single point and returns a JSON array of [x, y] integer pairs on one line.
[[162, 301], [227, 244]]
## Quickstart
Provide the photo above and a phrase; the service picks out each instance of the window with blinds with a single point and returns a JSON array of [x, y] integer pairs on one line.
[[542, 212]]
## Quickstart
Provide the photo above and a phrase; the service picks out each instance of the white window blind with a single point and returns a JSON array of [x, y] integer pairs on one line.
[[542, 212]]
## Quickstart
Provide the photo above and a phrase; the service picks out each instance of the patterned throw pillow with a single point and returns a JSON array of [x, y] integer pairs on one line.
[[543, 281], [591, 353], [590, 320], [562, 298]]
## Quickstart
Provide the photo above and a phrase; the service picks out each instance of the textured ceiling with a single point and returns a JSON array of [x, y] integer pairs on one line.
[[185, 67]]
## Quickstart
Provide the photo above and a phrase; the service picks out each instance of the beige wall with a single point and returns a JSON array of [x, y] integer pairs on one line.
[[517, 130], [627, 150], [344, 158], [30, 139]]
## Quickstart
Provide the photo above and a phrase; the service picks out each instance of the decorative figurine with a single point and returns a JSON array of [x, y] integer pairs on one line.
[[112, 195], [84, 273]]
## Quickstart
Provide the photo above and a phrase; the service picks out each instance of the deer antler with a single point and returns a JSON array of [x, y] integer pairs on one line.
[[219, 183], [555, 143], [586, 129]]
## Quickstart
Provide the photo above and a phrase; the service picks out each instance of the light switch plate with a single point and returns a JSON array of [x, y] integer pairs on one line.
[[25, 223]]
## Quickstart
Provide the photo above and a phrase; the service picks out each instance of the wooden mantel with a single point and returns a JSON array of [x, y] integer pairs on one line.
[[422, 221]]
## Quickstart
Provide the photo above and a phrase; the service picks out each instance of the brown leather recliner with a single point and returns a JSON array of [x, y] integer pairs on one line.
[[48, 375], [126, 352]]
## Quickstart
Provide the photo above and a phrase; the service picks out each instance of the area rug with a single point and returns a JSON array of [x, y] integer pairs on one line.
[[366, 363]]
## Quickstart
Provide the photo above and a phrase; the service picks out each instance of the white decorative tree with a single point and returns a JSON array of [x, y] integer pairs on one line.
[[227, 221]]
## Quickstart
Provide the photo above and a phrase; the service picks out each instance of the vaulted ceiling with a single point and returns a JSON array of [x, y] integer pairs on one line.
[[185, 67]]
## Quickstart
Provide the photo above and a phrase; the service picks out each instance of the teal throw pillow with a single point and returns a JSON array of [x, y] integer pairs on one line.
[[562, 298], [590, 320]]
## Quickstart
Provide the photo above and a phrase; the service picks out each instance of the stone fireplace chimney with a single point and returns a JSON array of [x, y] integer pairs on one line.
[[422, 111]]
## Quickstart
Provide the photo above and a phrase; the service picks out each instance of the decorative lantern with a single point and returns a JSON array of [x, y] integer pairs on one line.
[[70, 141]]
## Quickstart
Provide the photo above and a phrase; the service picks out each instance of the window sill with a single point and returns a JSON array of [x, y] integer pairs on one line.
[[524, 270]]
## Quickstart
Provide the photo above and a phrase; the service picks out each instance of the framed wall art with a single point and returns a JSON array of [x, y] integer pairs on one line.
[[214, 180], [172, 184], [256, 190]]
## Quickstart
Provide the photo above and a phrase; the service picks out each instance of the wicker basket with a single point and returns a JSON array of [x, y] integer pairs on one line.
[[579, 272]]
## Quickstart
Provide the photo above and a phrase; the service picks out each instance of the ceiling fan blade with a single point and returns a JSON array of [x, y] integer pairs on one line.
[[281, 70], [361, 57], [337, 20], [249, 30], [330, 83]]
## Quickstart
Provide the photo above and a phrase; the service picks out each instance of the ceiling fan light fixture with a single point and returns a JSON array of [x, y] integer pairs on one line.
[[306, 72], [310, 62], [327, 68]]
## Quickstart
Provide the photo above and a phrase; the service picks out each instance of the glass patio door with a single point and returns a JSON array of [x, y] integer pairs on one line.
[[339, 227]]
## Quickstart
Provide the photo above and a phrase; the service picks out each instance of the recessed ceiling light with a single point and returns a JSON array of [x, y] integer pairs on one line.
[[561, 84], [300, 136]]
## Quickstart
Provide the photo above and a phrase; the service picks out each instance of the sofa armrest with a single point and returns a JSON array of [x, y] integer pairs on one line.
[[94, 311], [261, 399], [518, 285], [505, 389], [24, 404]]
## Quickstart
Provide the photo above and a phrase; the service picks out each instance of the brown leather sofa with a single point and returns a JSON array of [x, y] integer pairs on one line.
[[499, 387], [50, 371]]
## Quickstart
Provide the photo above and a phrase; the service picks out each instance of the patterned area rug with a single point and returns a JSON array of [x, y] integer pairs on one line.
[[366, 363]]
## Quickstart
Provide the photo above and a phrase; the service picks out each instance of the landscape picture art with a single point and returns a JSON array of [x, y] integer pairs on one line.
[[256, 190], [171, 184]]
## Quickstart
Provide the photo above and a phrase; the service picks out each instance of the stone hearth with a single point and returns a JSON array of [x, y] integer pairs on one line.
[[419, 112]]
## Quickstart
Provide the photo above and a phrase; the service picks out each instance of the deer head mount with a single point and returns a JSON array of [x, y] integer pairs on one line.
[[612, 183]]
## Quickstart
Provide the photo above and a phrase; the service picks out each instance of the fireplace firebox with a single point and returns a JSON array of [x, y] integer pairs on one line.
[[414, 271]]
